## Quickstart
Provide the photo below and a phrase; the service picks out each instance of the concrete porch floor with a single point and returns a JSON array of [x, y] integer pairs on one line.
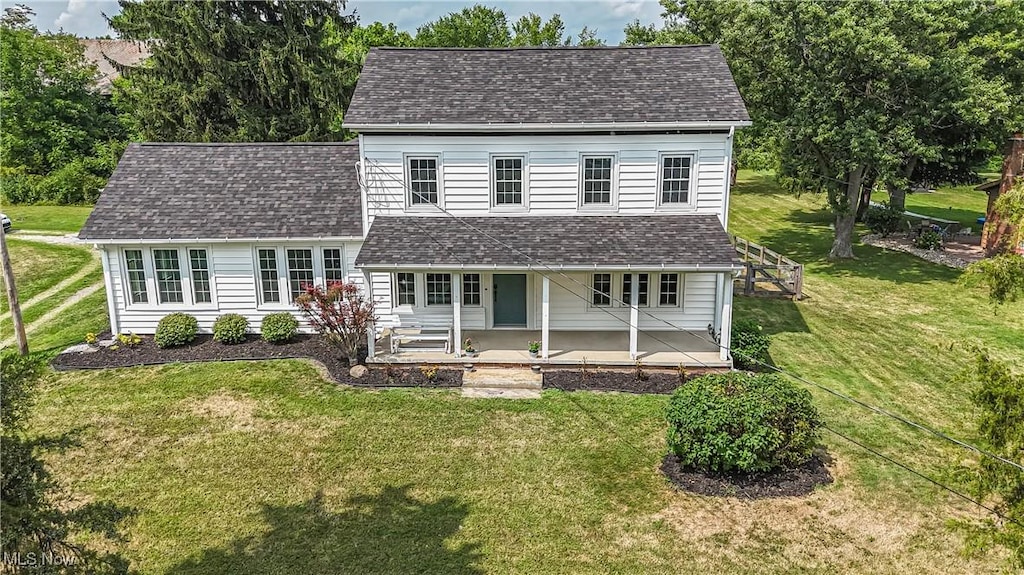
[[569, 348]]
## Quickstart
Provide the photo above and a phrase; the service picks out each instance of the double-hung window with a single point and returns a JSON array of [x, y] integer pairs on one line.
[[334, 269], [471, 289], [268, 275], [405, 288], [439, 289], [300, 270], [508, 181], [643, 288], [601, 294], [668, 290], [168, 276], [136, 276], [423, 181], [597, 180], [199, 263], [675, 180]]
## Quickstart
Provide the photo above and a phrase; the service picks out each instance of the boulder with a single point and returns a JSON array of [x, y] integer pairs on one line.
[[358, 371]]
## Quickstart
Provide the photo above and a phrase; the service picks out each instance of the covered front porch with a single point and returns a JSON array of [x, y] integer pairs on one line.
[[604, 348]]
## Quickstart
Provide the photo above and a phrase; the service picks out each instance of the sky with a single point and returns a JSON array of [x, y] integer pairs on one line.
[[85, 17]]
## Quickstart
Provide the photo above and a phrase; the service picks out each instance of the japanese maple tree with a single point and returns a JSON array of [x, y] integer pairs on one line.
[[341, 313]]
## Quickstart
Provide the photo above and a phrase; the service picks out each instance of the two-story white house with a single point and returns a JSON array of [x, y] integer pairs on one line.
[[577, 197]]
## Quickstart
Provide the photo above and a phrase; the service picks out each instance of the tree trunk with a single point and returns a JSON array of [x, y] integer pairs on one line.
[[12, 295], [846, 217], [865, 197], [897, 196]]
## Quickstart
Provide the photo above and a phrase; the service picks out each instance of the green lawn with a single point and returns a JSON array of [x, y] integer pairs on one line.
[[266, 468], [39, 266], [963, 204], [63, 219]]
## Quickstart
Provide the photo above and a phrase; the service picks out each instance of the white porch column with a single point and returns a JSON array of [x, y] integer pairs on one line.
[[371, 330], [545, 317], [726, 335], [457, 312], [634, 314]]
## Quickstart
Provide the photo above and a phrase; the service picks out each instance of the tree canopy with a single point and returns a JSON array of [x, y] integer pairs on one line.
[[484, 27]]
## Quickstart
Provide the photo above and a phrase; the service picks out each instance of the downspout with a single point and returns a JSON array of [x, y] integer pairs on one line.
[[728, 178]]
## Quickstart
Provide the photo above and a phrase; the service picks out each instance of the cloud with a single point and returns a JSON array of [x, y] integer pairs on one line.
[[75, 14], [625, 8]]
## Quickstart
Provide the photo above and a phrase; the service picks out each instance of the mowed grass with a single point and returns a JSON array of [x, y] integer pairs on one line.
[[39, 266], [266, 468], [963, 204], [54, 219]]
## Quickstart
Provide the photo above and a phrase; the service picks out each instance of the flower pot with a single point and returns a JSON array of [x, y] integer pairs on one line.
[[535, 368], [467, 366], [533, 354]]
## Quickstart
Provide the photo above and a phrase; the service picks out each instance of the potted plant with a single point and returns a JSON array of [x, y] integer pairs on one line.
[[468, 348], [534, 348]]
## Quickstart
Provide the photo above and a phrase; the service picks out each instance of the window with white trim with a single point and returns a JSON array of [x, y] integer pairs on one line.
[[439, 289], [643, 288], [334, 269], [199, 264], [269, 286], [597, 180], [136, 268], [471, 289], [601, 294], [507, 176], [423, 181], [300, 270], [675, 179], [668, 290], [405, 288], [168, 276]]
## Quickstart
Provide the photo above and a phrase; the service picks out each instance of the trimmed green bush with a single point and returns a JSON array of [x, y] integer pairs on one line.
[[741, 422], [749, 345], [176, 329], [883, 219], [230, 328], [279, 327], [929, 240]]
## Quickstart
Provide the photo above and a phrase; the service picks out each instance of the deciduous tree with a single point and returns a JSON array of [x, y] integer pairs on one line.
[[341, 312]]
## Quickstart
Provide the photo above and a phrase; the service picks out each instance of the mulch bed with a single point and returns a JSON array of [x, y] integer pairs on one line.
[[784, 483], [204, 348], [623, 381]]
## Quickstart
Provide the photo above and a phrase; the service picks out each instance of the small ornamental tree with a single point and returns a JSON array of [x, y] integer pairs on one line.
[[341, 313]]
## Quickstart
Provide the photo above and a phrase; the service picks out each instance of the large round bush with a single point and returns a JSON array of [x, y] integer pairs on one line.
[[749, 344], [742, 422], [279, 327], [176, 329], [230, 328], [883, 219]]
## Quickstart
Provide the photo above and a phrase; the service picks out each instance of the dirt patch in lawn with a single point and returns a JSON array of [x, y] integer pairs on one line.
[[782, 483], [204, 348], [626, 381]]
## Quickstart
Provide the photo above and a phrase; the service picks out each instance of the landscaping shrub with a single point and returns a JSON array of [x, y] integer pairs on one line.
[[749, 344], [279, 327], [883, 219], [176, 329], [230, 328], [742, 422], [929, 240], [341, 312]]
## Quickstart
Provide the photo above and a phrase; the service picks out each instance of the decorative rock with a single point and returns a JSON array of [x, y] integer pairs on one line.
[[358, 371], [81, 348]]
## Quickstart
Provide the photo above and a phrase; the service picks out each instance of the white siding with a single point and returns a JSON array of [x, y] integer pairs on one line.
[[570, 308], [233, 278], [552, 170]]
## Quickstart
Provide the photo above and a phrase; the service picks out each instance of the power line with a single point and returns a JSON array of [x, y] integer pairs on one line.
[[873, 408]]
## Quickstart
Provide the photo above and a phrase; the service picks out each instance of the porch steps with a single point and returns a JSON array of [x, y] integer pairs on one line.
[[511, 383]]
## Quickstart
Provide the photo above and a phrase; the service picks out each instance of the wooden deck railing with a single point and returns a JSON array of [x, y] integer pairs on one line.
[[768, 272]]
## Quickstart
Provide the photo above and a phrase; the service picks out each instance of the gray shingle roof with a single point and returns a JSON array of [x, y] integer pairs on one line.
[[546, 85], [612, 241], [231, 191]]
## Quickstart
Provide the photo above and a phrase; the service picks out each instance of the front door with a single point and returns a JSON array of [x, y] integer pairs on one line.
[[510, 300]]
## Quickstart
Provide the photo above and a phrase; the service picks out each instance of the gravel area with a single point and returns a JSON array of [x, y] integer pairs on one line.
[[954, 255]]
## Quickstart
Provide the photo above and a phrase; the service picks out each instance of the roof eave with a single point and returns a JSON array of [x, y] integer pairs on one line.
[[546, 126], [202, 240], [709, 268]]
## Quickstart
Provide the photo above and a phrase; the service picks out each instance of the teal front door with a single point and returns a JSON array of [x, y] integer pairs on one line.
[[510, 300]]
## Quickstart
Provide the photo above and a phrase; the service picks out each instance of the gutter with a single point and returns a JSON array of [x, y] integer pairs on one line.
[[545, 126], [171, 240], [714, 268]]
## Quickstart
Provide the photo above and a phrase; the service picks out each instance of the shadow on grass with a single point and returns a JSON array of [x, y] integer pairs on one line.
[[390, 532], [776, 315]]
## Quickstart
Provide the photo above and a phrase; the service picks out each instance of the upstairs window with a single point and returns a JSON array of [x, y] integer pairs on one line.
[[642, 291], [200, 266], [405, 288], [601, 294], [136, 276], [333, 268], [423, 186], [471, 289], [508, 181], [597, 180], [168, 276], [675, 179], [439, 289]]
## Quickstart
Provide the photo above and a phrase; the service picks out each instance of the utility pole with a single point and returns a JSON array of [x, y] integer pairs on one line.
[[12, 295]]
